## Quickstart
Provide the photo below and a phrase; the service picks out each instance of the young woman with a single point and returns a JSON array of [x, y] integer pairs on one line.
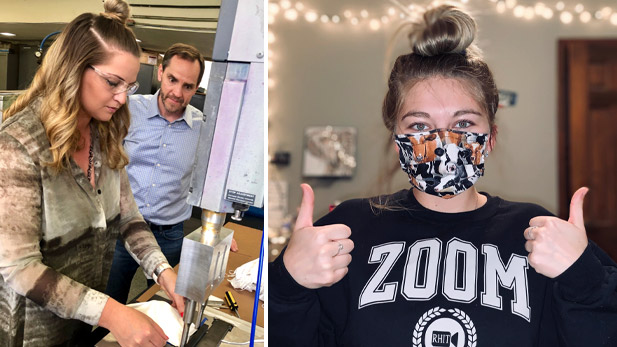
[[441, 264], [66, 196]]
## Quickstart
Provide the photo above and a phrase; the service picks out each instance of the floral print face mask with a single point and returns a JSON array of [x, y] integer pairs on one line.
[[442, 162]]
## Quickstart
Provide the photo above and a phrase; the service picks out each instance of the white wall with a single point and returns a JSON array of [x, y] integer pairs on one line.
[[333, 75]]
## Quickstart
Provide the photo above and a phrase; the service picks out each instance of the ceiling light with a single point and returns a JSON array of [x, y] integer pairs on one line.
[[529, 13], [579, 8], [560, 6], [519, 11], [311, 16], [7, 34], [273, 8], [566, 17], [374, 24], [501, 7], [291, 14]]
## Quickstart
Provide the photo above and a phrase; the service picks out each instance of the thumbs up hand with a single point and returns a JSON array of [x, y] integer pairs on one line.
[[317, 256], [555, 244]]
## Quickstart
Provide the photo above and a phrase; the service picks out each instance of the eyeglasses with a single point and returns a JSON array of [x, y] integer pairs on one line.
[[116, 85]]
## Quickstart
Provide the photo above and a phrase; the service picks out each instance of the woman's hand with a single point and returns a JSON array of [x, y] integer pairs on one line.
[[317, 256], [555, 244], [131, 327], [167, 280]]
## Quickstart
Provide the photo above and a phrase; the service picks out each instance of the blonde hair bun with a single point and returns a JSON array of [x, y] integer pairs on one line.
[[444, 29], [117, 9]]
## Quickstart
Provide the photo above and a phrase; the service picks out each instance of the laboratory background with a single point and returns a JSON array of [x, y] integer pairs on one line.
[[228, 186], [554, 63]]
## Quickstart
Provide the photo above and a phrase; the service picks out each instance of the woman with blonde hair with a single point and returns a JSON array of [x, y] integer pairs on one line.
[[441, 264], [66, 197]]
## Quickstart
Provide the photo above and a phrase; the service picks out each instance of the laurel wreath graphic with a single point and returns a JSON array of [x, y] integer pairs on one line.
[[435, 312], [472, 339], [422, 322]]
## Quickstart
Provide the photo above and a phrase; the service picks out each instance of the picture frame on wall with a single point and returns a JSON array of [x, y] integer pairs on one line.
[[329, 151]]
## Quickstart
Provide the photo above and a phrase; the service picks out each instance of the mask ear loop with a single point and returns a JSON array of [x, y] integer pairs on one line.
[[491, 136]]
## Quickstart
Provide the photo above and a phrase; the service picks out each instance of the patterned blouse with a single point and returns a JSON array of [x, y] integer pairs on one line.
[[57, 236]]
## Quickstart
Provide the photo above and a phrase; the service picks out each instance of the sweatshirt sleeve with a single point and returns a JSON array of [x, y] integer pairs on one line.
[[299, 316], [294, 311], [21, 261], [585, 298], [138, 238]]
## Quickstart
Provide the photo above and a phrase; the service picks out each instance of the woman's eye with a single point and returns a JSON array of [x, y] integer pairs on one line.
[[418, 127], [463, 124], [111, 83]]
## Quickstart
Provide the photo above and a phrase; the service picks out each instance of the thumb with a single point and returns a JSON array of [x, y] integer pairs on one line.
[[305, 215], [576, 207]]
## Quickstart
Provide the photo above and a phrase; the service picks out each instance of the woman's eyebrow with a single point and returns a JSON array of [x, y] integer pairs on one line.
[[426, 115], [416, 114], [116, 76], [120, 78], [466, 111]]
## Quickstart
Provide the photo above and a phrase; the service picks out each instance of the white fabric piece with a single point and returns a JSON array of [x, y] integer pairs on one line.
[[165, 316], [245, 278]]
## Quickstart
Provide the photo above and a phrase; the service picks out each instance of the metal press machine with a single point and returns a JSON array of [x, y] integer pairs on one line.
[[228, 175]]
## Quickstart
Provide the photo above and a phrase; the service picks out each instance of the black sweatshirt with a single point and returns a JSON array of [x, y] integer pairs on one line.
[[424, 278]]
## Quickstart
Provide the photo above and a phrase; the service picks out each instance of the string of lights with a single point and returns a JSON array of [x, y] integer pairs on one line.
[[567, 13]]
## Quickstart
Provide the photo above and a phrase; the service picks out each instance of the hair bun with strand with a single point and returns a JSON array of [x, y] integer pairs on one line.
[[443, 29], [117, 9]]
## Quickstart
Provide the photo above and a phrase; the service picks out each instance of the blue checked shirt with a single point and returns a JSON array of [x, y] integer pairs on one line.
[[161, 156]]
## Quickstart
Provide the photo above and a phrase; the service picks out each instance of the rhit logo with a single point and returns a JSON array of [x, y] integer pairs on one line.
[[440, 327]]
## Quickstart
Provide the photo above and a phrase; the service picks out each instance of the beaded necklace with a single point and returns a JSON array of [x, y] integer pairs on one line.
[[90, 159]]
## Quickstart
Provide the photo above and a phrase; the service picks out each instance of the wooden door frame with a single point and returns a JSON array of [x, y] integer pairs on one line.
[[564, 126], [563, 144]]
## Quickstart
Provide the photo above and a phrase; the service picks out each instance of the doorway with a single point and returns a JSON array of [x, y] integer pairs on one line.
[[587, 133]]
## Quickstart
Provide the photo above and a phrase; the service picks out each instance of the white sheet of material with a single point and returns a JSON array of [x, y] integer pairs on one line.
[[245, 278], [165, 316]]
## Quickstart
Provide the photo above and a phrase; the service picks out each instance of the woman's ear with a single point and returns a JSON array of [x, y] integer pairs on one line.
[[492, 138]]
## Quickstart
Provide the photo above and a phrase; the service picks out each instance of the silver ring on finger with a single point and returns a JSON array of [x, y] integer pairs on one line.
[[529, 232], [340, 247]]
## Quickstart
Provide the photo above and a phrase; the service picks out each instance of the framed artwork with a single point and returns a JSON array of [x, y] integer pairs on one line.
[[329, 151]]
